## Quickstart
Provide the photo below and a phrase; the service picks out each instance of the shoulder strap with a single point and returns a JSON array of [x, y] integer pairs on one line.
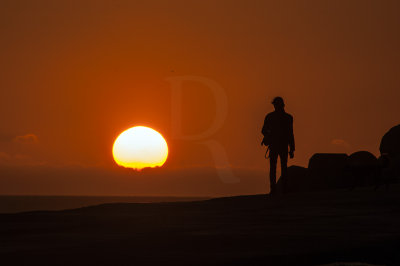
[[266, 153]]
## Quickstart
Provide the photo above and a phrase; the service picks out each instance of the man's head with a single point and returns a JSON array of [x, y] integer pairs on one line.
[[278, 103]]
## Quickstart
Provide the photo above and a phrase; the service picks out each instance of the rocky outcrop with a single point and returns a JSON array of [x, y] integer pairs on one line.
[[364, 169], [328, 171], [337, 170], [390, 155], [390, 143], [297, 180]]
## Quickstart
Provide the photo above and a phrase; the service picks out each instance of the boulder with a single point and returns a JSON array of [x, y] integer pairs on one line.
[[390, 143], [328, 171], [297, 180], [364, 169], [362, 159], [390, 170], [390, 155]]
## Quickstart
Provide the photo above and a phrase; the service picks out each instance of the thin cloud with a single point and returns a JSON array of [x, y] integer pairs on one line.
[[340, 143], [26, 139]]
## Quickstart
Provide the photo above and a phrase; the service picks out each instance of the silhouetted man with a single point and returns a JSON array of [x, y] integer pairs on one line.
[[278, 136]]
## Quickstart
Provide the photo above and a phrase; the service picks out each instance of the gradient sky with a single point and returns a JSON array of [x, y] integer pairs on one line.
[[75, 74]]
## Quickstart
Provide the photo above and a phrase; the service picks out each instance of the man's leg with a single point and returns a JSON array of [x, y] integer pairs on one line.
[[273, 157], [284, 159]]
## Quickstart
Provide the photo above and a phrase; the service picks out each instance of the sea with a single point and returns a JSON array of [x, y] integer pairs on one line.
[[15, 204]]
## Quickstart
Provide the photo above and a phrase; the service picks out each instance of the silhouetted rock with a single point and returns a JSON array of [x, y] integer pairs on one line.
[[390, 156], [327, 171], [361, 159], [298, 180], [390, 143], [364, 169], [390, 170]]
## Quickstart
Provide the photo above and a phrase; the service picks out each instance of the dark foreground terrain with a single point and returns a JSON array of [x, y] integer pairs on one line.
[[298, 229]]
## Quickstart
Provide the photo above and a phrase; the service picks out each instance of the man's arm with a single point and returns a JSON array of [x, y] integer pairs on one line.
[[291, 136]]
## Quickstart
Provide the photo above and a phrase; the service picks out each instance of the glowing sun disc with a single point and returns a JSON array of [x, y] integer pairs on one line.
[[140, 147]]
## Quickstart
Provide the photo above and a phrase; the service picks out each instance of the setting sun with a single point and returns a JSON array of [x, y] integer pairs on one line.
[[140, 147]]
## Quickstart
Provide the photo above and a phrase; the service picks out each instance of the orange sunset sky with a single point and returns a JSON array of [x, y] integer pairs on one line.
[[75, 74]]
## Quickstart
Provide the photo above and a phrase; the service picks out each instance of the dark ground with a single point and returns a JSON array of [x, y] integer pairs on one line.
[[298, 229], [15, 204]]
